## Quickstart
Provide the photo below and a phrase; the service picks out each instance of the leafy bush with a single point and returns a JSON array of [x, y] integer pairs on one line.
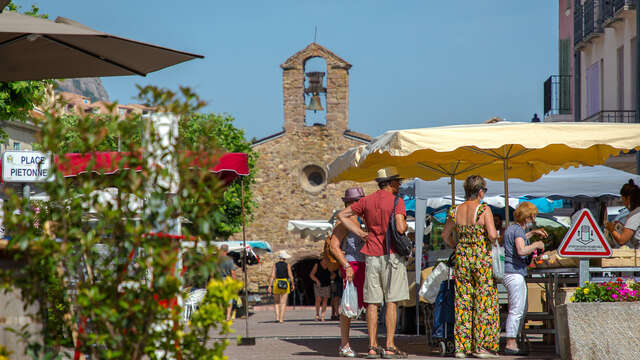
[[109, 271], [613, 291]]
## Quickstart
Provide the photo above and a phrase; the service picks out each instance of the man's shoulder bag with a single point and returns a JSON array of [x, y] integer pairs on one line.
[[400, 242]]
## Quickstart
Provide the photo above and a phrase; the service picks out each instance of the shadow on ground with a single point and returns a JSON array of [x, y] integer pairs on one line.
[[415, 346], [329, 347]]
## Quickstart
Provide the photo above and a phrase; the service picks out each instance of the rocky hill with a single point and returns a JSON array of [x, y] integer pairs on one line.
[[89, 87]]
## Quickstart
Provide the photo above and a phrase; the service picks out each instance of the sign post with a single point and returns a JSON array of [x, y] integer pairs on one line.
[[584, 240]]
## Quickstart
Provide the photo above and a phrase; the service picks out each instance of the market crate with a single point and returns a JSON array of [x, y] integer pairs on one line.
[[622, 257]]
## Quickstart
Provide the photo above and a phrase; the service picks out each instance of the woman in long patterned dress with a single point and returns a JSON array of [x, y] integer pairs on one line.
[[477, 328]]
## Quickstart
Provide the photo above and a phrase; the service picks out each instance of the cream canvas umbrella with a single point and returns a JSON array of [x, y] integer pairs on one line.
[[33, 48], [497, 151]]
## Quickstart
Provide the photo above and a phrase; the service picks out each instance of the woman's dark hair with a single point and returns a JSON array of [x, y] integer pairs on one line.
[[634, 199], [628, 188]]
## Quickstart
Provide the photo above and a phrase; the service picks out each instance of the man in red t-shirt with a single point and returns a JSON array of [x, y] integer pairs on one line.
[[385, 271]]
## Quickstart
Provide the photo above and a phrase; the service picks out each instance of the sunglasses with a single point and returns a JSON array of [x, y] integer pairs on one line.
[[484, 189]]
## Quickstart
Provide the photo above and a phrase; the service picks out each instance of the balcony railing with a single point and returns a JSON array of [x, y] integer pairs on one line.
[[614, 116], [623, 4], [557, 95], [592, 17], [578, 20], [608, 10]]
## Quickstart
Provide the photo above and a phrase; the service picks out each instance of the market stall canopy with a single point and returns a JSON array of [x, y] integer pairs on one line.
[[582, 182], [227, 166], [320, 229], [32, 48], [532, 149], [237, 245], [316, 229]]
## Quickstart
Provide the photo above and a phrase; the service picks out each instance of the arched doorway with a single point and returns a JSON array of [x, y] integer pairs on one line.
[[304, 285]]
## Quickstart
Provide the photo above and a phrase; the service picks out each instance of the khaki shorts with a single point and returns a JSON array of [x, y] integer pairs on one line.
[[376, 281]]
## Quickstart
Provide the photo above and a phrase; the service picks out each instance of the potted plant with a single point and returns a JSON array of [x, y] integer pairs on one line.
[[600, 322]]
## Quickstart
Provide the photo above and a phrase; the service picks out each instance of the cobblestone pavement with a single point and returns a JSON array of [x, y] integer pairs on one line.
[[300, 337]]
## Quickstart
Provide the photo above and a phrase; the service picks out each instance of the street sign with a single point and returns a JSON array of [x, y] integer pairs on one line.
[[25, 166], [584, 238]]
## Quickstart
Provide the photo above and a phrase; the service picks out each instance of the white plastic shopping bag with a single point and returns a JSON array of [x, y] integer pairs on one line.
[[497, 254], [349, 303], [431, 285]]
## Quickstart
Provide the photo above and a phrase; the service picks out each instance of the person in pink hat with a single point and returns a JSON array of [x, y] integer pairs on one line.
[[345, 247]]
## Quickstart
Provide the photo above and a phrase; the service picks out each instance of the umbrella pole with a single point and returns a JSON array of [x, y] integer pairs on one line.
[[453, 190], [506, 192], [246, 340]]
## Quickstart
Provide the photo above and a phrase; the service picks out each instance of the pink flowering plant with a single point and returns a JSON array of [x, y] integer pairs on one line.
[[612, 291]]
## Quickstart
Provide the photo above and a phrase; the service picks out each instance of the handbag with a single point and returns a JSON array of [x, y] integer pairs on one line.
[[401, 242], [282, 284], [497, 255]]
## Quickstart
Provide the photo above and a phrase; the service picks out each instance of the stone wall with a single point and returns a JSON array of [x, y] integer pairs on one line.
[[337, 95]]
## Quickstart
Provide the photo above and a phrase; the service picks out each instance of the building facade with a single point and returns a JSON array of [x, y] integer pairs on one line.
[[291, 180], [597, 62]]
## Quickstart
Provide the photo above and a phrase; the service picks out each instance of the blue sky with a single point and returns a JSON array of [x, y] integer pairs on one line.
[[415, 63]]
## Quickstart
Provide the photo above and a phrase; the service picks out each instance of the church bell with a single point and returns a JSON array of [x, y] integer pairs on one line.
[[315, 88], [315, 103]]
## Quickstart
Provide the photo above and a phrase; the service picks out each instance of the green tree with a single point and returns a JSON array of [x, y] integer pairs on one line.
[[18, 98], [219, 131], [114, 259], [196, 128]]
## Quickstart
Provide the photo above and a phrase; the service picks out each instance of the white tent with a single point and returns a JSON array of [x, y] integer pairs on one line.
[[583, 182], [320, 229]]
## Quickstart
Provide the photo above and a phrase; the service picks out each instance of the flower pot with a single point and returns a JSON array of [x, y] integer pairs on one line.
[[590, 331]]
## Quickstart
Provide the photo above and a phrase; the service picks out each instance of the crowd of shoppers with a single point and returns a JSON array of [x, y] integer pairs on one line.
[[379, 275]]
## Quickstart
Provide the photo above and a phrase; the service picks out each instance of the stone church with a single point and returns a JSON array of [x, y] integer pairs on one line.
[[291, 181]]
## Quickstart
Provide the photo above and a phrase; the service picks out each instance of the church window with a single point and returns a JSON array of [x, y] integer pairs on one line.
[[313, 178]]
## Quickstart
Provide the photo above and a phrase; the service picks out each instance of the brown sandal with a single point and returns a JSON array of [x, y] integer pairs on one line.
[[397, 354], [378, 351]]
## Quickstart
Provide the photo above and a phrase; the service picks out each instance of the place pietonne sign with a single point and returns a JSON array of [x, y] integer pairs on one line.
[[25, 166]]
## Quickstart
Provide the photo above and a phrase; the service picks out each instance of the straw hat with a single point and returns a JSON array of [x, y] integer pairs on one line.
[[283, 254], [388, 173]]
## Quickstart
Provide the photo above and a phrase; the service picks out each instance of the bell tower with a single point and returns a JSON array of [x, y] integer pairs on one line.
[[336, 93]]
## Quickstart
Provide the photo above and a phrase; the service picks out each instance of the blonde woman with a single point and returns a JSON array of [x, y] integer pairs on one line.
[[477, 327], [516, 259], [281, 281]]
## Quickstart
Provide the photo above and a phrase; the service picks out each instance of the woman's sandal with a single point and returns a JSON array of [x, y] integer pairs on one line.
[[397, 354], [378, 351]]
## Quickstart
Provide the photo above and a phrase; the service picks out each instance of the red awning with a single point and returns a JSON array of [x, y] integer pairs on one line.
[[227, 167]]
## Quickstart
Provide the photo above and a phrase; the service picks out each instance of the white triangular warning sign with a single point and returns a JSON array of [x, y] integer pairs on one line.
[[584, 238]]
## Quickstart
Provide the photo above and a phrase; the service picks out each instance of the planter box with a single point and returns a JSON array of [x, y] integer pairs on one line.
[[590, 331]]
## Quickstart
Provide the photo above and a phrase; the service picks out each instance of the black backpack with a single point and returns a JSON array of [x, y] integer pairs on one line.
[[400, 242]]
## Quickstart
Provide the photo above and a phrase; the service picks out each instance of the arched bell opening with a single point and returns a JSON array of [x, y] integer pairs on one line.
[[315, 91], [304, 285]]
